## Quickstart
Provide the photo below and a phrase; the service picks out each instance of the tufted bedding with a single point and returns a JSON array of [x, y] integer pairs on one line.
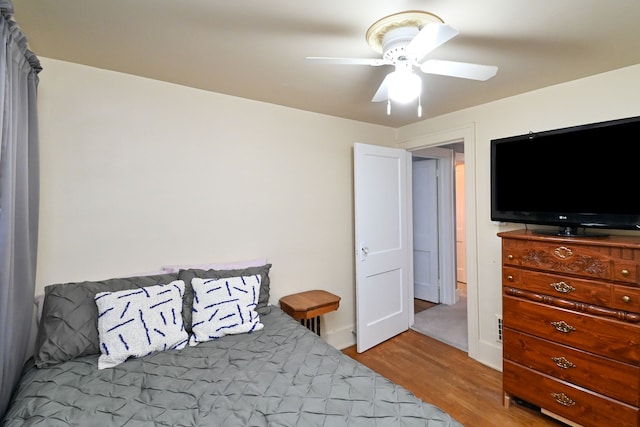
[[282, 375]]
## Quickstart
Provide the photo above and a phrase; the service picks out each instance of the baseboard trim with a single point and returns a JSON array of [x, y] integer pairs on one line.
[[341, 338]]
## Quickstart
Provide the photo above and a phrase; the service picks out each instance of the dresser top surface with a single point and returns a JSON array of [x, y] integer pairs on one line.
[[608, 240]]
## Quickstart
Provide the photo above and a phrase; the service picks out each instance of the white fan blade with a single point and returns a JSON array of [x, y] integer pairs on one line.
[[348, 61], [382, 94], [430, 37], [462, 70]]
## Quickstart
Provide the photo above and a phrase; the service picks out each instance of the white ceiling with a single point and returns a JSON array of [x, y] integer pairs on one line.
[[256, 49]]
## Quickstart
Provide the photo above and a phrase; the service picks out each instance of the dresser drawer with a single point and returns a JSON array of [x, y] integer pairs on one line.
[[574, 403], [617, 380], [558, 257], [565, 258], [626, 271], [588, 291], [603, 336], [626, 298]]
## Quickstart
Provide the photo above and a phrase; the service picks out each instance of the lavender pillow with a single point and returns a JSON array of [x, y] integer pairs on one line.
[[217, 266]]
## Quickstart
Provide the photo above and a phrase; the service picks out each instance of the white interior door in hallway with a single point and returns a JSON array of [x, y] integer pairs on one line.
[[426, 284], [461, 244]]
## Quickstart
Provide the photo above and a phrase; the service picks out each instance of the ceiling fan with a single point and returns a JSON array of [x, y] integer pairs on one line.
[[404, 39]]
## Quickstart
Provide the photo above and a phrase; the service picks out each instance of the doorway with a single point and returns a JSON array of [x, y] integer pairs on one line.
[[396, 200], [445, 321]]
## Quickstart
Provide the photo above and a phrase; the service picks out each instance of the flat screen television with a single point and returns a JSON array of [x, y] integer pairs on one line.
[[576, 178]]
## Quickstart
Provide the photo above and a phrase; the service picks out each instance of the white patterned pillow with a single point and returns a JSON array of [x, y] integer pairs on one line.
[[224, 307], [137, 322]]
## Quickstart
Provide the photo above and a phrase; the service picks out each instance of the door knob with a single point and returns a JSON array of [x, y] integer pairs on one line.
[[363, 251]]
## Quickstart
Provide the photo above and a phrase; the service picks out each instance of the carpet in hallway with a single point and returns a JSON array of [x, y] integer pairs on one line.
[[446, 323]]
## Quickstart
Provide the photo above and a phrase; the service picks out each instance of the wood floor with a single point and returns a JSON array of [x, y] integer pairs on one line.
[[421, 305], [447, 377]]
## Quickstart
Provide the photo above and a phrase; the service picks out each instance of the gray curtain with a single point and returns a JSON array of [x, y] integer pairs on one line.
[[19, 193]]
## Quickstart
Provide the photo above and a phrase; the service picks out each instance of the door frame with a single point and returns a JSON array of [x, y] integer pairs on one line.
[[465, 134]]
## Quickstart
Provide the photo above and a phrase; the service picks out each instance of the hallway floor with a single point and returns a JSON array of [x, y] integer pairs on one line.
[[446, 323]]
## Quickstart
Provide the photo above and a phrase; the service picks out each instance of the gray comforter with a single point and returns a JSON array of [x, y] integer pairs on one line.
[[283, 375]]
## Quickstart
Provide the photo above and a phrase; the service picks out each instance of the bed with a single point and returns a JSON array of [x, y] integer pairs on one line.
[[275, 373]]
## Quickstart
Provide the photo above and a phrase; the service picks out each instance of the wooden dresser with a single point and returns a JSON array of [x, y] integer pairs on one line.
[[571, 326]]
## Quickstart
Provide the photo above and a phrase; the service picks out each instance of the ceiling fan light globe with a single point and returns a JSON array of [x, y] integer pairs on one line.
[[404, 87]]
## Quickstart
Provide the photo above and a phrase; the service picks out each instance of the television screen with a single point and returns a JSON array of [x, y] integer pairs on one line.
[[577, 177]]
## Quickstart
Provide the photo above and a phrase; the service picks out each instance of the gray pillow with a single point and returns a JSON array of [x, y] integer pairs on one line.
[[69, 322], [187, 275]]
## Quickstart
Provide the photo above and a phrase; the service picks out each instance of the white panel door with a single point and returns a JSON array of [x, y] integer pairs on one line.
[[381, 231], [426, 284]]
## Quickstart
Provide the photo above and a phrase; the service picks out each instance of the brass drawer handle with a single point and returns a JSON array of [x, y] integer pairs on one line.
[[563, 252], [563, 326], [563, 363], [625, 272], [510, 257], [510, 278], [626, 298], [563, 399], [563, 287]]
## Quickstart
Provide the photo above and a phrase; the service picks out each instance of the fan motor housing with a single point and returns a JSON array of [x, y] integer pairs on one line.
[[395, 42]]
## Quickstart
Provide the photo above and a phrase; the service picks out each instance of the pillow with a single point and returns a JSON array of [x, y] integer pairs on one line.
[[69, 322], [224, 307], [137, 322], [188, 275], [225, 266], [146, 273]]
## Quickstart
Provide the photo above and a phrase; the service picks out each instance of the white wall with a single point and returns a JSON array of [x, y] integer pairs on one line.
[[137, 173], [602, 97]]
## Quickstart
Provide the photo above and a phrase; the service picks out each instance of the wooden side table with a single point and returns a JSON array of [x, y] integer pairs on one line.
[[308, 306]]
